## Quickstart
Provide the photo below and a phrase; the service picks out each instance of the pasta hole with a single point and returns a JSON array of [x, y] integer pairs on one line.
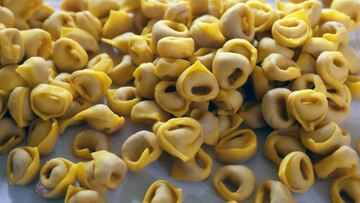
[[310, 101], [245, 25], [235, 75], [310, 85], [346, 197], [47, 174], [231, 185], [5, 140], [303, 169], [338, 62], [290, 24], [332, 91], [200, 162], [170, 89], [266, 197], [281, 107], [201, 90], [212, 107]]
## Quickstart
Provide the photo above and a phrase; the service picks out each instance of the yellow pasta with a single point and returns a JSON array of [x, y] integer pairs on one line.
[[176, 47], [101, 62], [19, 106], [43, 135], [147, 112], [140, 49], [35, 71], [56, 21], [167, 28], [307, 63], [120, 42], [76, 194], [146, 80], [88, 141], [273, 191], [316, 45], [163, 191], [77, 105], [209, 123], [40, 15], [349, 8], [154, 8], [7, 17], [122, 100], [85, 20], [101, 8], [169, 68], [333, 31], [348, 185], [228, 102], [309, 81], [23, 9], [352, 57], [118, 23], [251, 112], [353, 82], [205, 56], [339, 99], [268, 46], [12, 47], [37, 42], [11, 135], [242, 47], [334, 15], [85, 39], [279, 68], [179, 12], [260, 83], [124, 71], [229, 123], [264, 15], [73, 6]]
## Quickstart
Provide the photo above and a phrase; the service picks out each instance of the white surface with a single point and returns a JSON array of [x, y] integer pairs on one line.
[[133, 188]]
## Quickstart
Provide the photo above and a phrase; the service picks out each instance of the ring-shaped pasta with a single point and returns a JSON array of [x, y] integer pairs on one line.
[[76, 194], [101, 62], [122, 100], [140, 49], [62, 80], [239, 146], [7, 17], [162, 190], [339, 100], [352, 56], [317, 45], [77, 105], [333, 31], [312, 8], [209, 123], [10, 79], [309, 81], [23, 9], [56, 21], [169, 68], [176, 47], [264, 15], [167, 28], [12, 48], [179, 12], [88, 141], [43, 135], [123, 72], [85, 20], [240, 176], [19, 106], [34, 71], [180, 137], [154, 8], [353, 83], [119, 22], [349, 8], [228, 102], [348, 185], [11, 135], [23, 164], [101, 8], [260, 83], [279, 68], [296, 172], [146, 80], [307, 63], [205, 56], [140, 149], [85, 39], [37, 42], [268, 45], [273, 191], [243, 47], [229, 123], [147, 112], [40, 15], [251, 112]]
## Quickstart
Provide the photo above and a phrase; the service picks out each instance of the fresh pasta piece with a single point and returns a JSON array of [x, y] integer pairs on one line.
[[68, 55], [337, 16], [55, 177], [238, 22], [101, 8], [206, 32], [40, 15], [343, 161], [228, 102], [90, 84], [34, 71], [239, 146], [312, 9], [296, 172], [317, 45], [147, 112], [180, 137], [167, 28], [123, 72], [251, 112], [264, 15], [169, 68], [274, 108], [88, 141], [197, 83], [260, 83], [85, 20], [280, 143], [205, 56], [23, 9], [140, 50], [242, 47], [10, 135], [99, 117], [210, 125], [279, 68], [349, 8], [308, 107], [333, 31], [12, 47], [56, 21], [273, 191], [82, 37], [106, 170], [179, 12], [37, 42], [43, 135], [140, 150], [147, 28], [352, 57], [339, 99], [118, 23], [307, 63], [347, 185], [101, 62], [238, 175], [176, 47], [196, 169], [163, 191], [76, 106], [229, 123], [325, 138], [76, 194], [146, 80], [4, 97], [19, 106], [73, 6], [309, 81], [122, 100], [268, 46], [23, 164], [49, 101], [353, 82], [154, 8], [7, 17], [120, 42]]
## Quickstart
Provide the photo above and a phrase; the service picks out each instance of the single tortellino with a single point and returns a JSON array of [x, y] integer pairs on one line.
[[332, 68], [349, 8], [62, 80], [140, 49], [19, 106], [180, 137], [68, 55], [147, 112], [101, 62], [90, 84], [101, 8], [353, 82], [273, 191], [240, 176], [73, 6], [274, 109], [120, 42], [229, 123], [196, 169], [242, 47], [154, 8], [197, 83], [342, 162], [264, 15], [352, 57], [55, 177], [167, 28], [260, 83], [206, 32], [176, 47], [279, 68], [312, 8], [169, 68], [280, 143], [43, 135], [296, 172], [76, 194], [347, 185], [99, 117], [146, 80], [238, 22], [56, 21], [106, 170], [7, 17], [209, 123], [4, 97], [163, 191], [231, 69], [40, 15], [317, 45], [239, 146], [124, 71], [169, 99], [307, 63], [49, 101], [140, 149], [88, 141], [34, 71], [329, 14], [85, 20], [122, 100], [82, 37], [268, 46], [205, 56], [37, 42], [293, 30], [309, 81], [333, 31], [23, 164], [10, 135], [22, 9], [118, 23], [12, 47], [339, 100], [179, 12], [251, 112], [228, 102], [325, 138], [308, 107]]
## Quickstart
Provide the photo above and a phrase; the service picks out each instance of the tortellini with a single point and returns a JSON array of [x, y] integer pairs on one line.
[[37, 42], [140, 150], [101, 62], [296, 172], [76, 194], [12, 46], [123, 72], [238, 146], [82, 37], [10, 135], [333, 31], [23, 9], [349, 8], [181, 137], [163, 191], [99, 117], [273, 191], [169, 68], [146, 80], [307, 63], [7, 17], [88, 141], [147, 112], [251, 112], [118, 23], [176, 47], [238, 175], [279, 68], [74, 6], [348, 185], [122, 100], [332, 68], [101, 8], [56, 21], [309, 81], [88, 22], [209, 123], [34, 71], [4, 96], [267, 46], [206, 32], [228, 102], [167, 28], [19, 106], [179, 12], [229, 123], [120, 42], [264, 15], [140, 50], [23, 164], [353, 83], [351, 56], [43, 135]]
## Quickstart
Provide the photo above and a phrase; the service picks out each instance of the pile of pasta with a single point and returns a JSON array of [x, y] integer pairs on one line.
[[195, 72]]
